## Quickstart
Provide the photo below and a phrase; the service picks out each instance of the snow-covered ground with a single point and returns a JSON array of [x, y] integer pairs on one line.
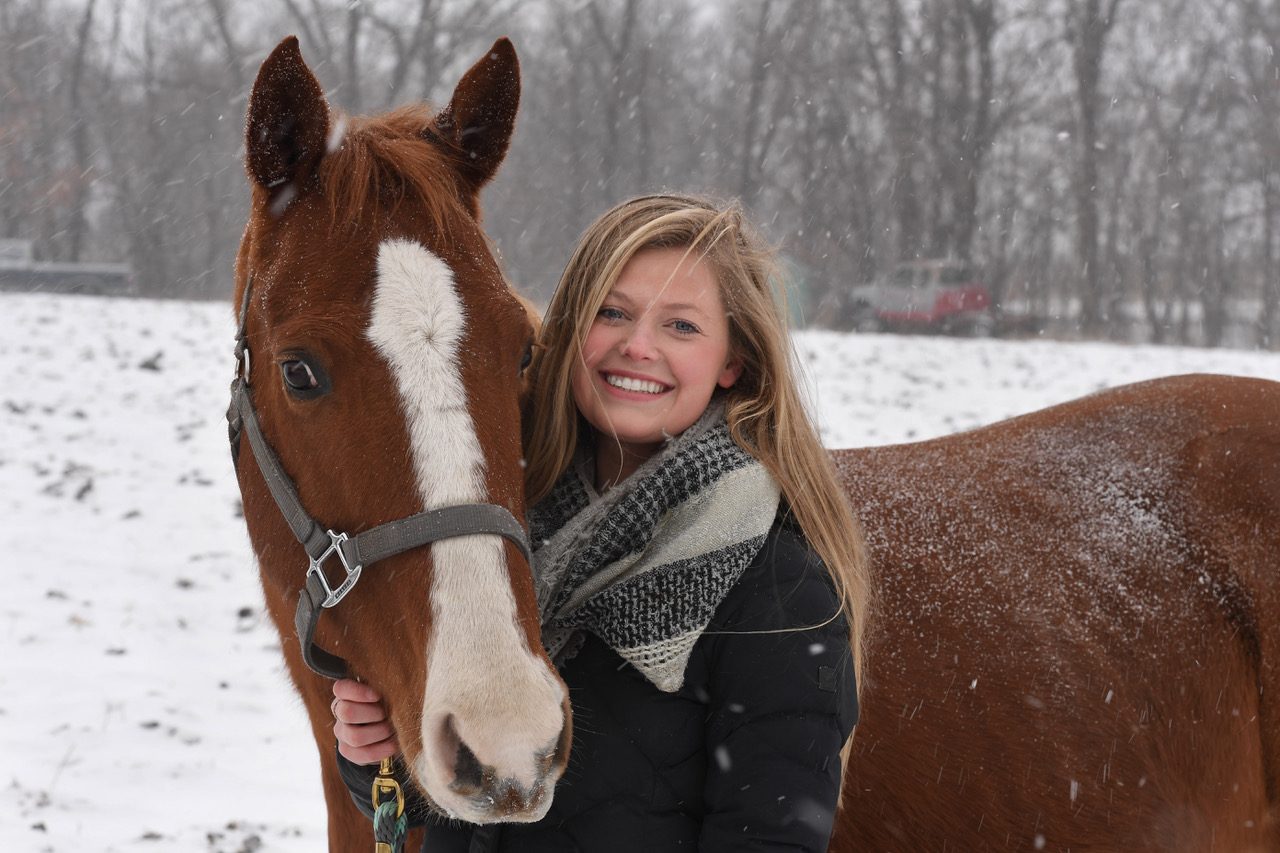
[[142, 701]]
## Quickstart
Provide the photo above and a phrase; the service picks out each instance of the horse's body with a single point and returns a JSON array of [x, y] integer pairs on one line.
[[1079, 619], [384, 360]]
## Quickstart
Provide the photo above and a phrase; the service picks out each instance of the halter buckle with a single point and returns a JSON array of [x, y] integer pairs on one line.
[[333, 596]]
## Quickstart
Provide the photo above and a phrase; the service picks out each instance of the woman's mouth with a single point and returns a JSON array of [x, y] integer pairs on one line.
[[640, 386]]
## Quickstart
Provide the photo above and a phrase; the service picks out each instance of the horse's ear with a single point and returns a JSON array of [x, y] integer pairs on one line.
[[482, 113], [288, 121]]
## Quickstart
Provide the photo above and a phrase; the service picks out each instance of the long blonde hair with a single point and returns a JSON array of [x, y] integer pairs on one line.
[[765, 410]]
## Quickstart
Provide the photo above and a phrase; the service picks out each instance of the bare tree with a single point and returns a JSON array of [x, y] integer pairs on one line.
[[1088, 23], [892, 53], [759, 42], [838, 194], [1164, 185], [78, 220], [977, 119], [935, 74], [47, 129], [1259, 34], [623, 59], [235, 54], [28, 137]]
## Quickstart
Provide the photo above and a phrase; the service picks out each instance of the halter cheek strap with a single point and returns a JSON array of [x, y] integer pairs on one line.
[[353, 552]]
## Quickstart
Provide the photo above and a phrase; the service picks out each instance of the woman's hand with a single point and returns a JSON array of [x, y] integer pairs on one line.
[[361, 726]]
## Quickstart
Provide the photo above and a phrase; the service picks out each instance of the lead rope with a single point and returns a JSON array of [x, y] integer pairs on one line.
[[390, 825]]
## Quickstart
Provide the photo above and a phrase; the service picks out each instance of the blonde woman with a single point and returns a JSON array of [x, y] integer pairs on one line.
[[699, 572]]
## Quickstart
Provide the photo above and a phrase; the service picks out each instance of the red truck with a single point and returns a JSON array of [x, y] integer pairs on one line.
[[931, 296]]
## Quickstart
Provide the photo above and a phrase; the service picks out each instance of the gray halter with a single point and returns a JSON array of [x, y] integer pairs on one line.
[[353, 552]]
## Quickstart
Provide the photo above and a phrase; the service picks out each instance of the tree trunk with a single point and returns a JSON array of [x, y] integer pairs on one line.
[[897, 103], [981, 133], [78, 221], [1266, 333], [752, 152], [1091, 26]]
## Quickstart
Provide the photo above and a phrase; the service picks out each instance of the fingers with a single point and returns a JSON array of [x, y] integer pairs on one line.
[[371, 754], [356, 703], [357, 713], [364, 734], [354, 691]]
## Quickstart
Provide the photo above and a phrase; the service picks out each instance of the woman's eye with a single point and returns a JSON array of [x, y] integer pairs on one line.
[[611, 314], [298, 375], [684, 327]]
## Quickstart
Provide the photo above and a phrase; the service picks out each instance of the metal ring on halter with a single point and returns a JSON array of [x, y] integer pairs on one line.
[[333, 596]]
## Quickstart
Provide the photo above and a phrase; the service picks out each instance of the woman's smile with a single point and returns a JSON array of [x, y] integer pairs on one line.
[[633, 384]]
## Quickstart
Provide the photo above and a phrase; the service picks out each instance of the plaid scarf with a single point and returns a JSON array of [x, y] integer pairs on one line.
[[644, 566]]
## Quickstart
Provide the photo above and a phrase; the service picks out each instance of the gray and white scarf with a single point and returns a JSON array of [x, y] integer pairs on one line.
[[644, 566]]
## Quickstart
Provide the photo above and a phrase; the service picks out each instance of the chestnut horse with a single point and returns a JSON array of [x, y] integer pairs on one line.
[[381, 356], [1079, 629], [1079, 609]]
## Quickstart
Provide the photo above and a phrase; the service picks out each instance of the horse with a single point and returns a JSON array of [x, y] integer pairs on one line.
[[374, 425], [1078, 641], [1076, 635]]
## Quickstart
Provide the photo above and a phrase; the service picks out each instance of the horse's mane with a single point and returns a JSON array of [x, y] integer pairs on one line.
[[377, 162]]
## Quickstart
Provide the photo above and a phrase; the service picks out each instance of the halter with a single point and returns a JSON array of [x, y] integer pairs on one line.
[[353, 552]]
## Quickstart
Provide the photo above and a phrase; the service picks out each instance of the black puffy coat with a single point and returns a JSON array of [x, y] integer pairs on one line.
[[745, 756]]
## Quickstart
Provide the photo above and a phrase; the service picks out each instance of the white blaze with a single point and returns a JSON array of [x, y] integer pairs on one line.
[[417, 325], [481, 676]]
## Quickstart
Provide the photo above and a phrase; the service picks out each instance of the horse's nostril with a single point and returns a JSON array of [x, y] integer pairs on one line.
[[468, 772]]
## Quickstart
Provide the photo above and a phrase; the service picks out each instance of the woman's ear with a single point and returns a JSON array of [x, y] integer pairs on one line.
[[732, 370]]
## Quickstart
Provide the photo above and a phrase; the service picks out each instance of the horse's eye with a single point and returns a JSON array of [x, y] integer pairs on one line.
[[526, 358], [299, 376]]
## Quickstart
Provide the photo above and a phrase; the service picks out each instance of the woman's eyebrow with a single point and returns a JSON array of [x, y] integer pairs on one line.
[[682, 306], [621, 296]]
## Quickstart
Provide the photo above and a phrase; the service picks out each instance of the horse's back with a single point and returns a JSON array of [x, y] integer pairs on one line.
[[1076, 623]]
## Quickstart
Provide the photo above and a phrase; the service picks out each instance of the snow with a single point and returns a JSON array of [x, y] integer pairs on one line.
[[143, 705]]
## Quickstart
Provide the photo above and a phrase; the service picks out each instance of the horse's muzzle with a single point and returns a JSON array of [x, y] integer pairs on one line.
[[493, 774]]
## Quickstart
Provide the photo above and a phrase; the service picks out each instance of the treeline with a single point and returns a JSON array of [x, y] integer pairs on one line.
[[1110, 163]]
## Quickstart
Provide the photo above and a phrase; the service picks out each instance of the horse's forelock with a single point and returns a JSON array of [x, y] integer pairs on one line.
[[379, 163]]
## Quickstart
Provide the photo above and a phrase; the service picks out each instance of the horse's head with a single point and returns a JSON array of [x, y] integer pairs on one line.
[[386, 353]]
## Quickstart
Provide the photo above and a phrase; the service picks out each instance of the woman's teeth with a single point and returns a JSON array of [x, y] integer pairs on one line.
[[627, 384]]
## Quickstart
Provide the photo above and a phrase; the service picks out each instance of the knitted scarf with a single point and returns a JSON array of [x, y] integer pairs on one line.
[[644, 566]]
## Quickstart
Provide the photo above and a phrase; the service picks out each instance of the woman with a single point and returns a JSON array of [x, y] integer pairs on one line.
[[699, 572]]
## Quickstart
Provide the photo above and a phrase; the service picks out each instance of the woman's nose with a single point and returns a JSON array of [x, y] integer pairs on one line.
[[638, 344]]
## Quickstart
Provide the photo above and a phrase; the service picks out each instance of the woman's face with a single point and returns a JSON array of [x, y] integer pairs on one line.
[[655, 352]]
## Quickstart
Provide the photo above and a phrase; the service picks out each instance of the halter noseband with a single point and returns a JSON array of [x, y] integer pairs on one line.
[[353, 552]]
